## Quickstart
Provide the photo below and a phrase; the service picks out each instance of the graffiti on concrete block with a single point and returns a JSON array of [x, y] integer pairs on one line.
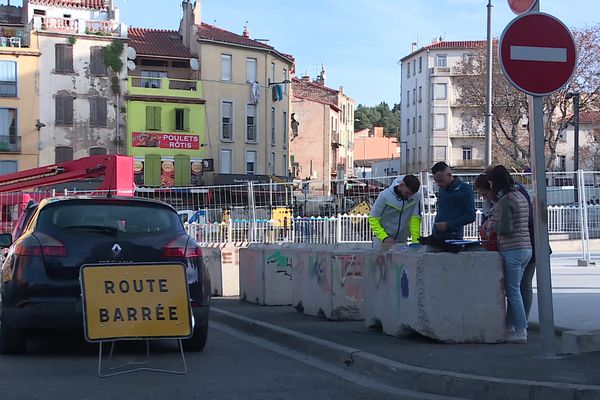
[[351, 276], [318, 272], [282, 263]]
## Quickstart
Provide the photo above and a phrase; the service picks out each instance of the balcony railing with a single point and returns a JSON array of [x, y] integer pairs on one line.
[[141, 85], [53, 24], [468, 163], [10, 144], [80, 26], [467, 134]]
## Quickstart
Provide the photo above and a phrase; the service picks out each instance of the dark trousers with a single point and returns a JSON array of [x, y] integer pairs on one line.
[[527, 288]]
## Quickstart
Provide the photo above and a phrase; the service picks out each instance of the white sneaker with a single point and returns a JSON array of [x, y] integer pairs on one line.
[[517, 337]]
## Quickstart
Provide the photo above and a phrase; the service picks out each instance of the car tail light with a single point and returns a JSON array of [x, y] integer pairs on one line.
[[45, 245], [181, 247]]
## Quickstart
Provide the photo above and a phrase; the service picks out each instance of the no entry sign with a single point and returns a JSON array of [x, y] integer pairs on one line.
[[537, 53], [521, 6]]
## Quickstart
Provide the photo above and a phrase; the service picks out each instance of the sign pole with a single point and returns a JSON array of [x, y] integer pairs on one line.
[[540, 218]]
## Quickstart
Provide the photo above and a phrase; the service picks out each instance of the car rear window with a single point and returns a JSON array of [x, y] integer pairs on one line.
[[121, 218]]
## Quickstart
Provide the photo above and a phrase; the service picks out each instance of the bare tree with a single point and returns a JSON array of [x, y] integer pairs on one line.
[[510, 108], [590, 153]]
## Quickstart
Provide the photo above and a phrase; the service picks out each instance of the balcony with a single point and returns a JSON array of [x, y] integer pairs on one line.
[[439, 71], [79, 26], [465, 134], [468, 163], [335, 139], [164, 87], [10, 144], [11, 37]]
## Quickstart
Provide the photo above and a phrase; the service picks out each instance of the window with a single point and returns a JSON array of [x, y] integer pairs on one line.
[[8, 79], [64, 58], [98, 111], [419, 123], [285, 76], [467, 153], [251, 70], [407, 156], [414, 126], [562, 163], [408, 98], [441, 60], [39, 12], [272, 164], [440, 91], [408, 69], [225, 161], [153, 79], [284, 169], [420, 94], [97, 66], [414, 95], [563, 136], [250, 162], [251, 122], [414, 153], [468, 58], [419, 154], [8, 125], [64, 110], [153, 122], [420, 64], [227, 120], [8, 167], [98, 151], [226, 67], [439, 153], [343, 113], [285, 129], [408, 126], [182, 119], [414, 67], [62, 154], [439, 122], [273, 125]]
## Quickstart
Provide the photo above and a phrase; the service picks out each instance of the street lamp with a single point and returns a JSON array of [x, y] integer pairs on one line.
[[575, 97]]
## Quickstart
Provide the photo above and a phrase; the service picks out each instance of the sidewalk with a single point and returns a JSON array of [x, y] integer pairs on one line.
[[478, 371]]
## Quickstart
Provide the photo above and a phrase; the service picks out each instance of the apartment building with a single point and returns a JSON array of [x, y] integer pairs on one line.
[[80, 99], [19, 63], [248, 96], [434, 126], [166, 113], [589, 144]]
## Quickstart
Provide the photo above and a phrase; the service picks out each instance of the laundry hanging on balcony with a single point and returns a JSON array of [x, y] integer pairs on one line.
[[277, 91], [255, 93]]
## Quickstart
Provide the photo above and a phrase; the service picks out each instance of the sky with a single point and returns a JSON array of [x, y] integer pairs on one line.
[[358, 42]]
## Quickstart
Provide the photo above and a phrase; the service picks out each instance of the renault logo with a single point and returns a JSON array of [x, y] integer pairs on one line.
[[116, 249]]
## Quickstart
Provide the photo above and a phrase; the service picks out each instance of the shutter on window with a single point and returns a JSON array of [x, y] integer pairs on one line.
[[68, 58], [59, 61], [68, 113], [182, 170], [152, 170], [59, 111], [186, 119], [157, 118], [149, 118], [102, 111], [94, 111]]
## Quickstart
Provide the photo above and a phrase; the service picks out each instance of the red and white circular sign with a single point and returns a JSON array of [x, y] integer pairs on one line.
[[521, 6], [537, 53]]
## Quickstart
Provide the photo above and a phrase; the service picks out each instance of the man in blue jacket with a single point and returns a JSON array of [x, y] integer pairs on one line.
[[455, 204]]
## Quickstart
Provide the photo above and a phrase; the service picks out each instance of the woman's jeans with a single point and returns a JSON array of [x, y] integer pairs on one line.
[[515, 262]]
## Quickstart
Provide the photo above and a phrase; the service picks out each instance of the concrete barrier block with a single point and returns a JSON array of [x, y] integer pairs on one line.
[[211, 256], [278, 275], [223, 265], [347, 269], [449, 297], [577, 342]]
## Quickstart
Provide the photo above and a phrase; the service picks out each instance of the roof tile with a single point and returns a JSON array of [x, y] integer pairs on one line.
[[156, 42], [87, 4], [589, 117]]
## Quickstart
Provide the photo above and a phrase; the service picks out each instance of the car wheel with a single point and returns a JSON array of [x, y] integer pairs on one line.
[[198, 339], [12, 341]]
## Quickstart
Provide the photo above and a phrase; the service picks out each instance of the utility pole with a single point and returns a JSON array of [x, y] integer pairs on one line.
[[488, 95]]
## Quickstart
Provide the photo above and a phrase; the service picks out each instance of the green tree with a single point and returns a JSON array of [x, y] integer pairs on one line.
[[380, 115]]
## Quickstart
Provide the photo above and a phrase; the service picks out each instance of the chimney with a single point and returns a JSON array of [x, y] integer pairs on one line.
[[197, 13], [414, 47], [378, 131], [305, 78], [246, 32]]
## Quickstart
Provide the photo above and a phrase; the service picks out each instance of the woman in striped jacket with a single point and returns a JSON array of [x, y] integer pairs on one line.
[[510, 220]]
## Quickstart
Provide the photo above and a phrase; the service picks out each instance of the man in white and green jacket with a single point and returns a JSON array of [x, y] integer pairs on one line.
[[396, 213]]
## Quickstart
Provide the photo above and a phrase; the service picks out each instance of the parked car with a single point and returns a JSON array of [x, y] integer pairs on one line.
[[40, 276]]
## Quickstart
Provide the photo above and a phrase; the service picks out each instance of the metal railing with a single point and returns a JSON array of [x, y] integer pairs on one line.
[[159, 83]]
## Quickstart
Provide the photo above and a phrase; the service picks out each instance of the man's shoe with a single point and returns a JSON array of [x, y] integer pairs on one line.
[[517, 337]]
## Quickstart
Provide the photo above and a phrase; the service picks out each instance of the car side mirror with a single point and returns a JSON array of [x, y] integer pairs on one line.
[[5, 239]]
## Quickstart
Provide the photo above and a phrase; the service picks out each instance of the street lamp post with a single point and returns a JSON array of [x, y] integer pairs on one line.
[[488, 94], [575, 97]]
